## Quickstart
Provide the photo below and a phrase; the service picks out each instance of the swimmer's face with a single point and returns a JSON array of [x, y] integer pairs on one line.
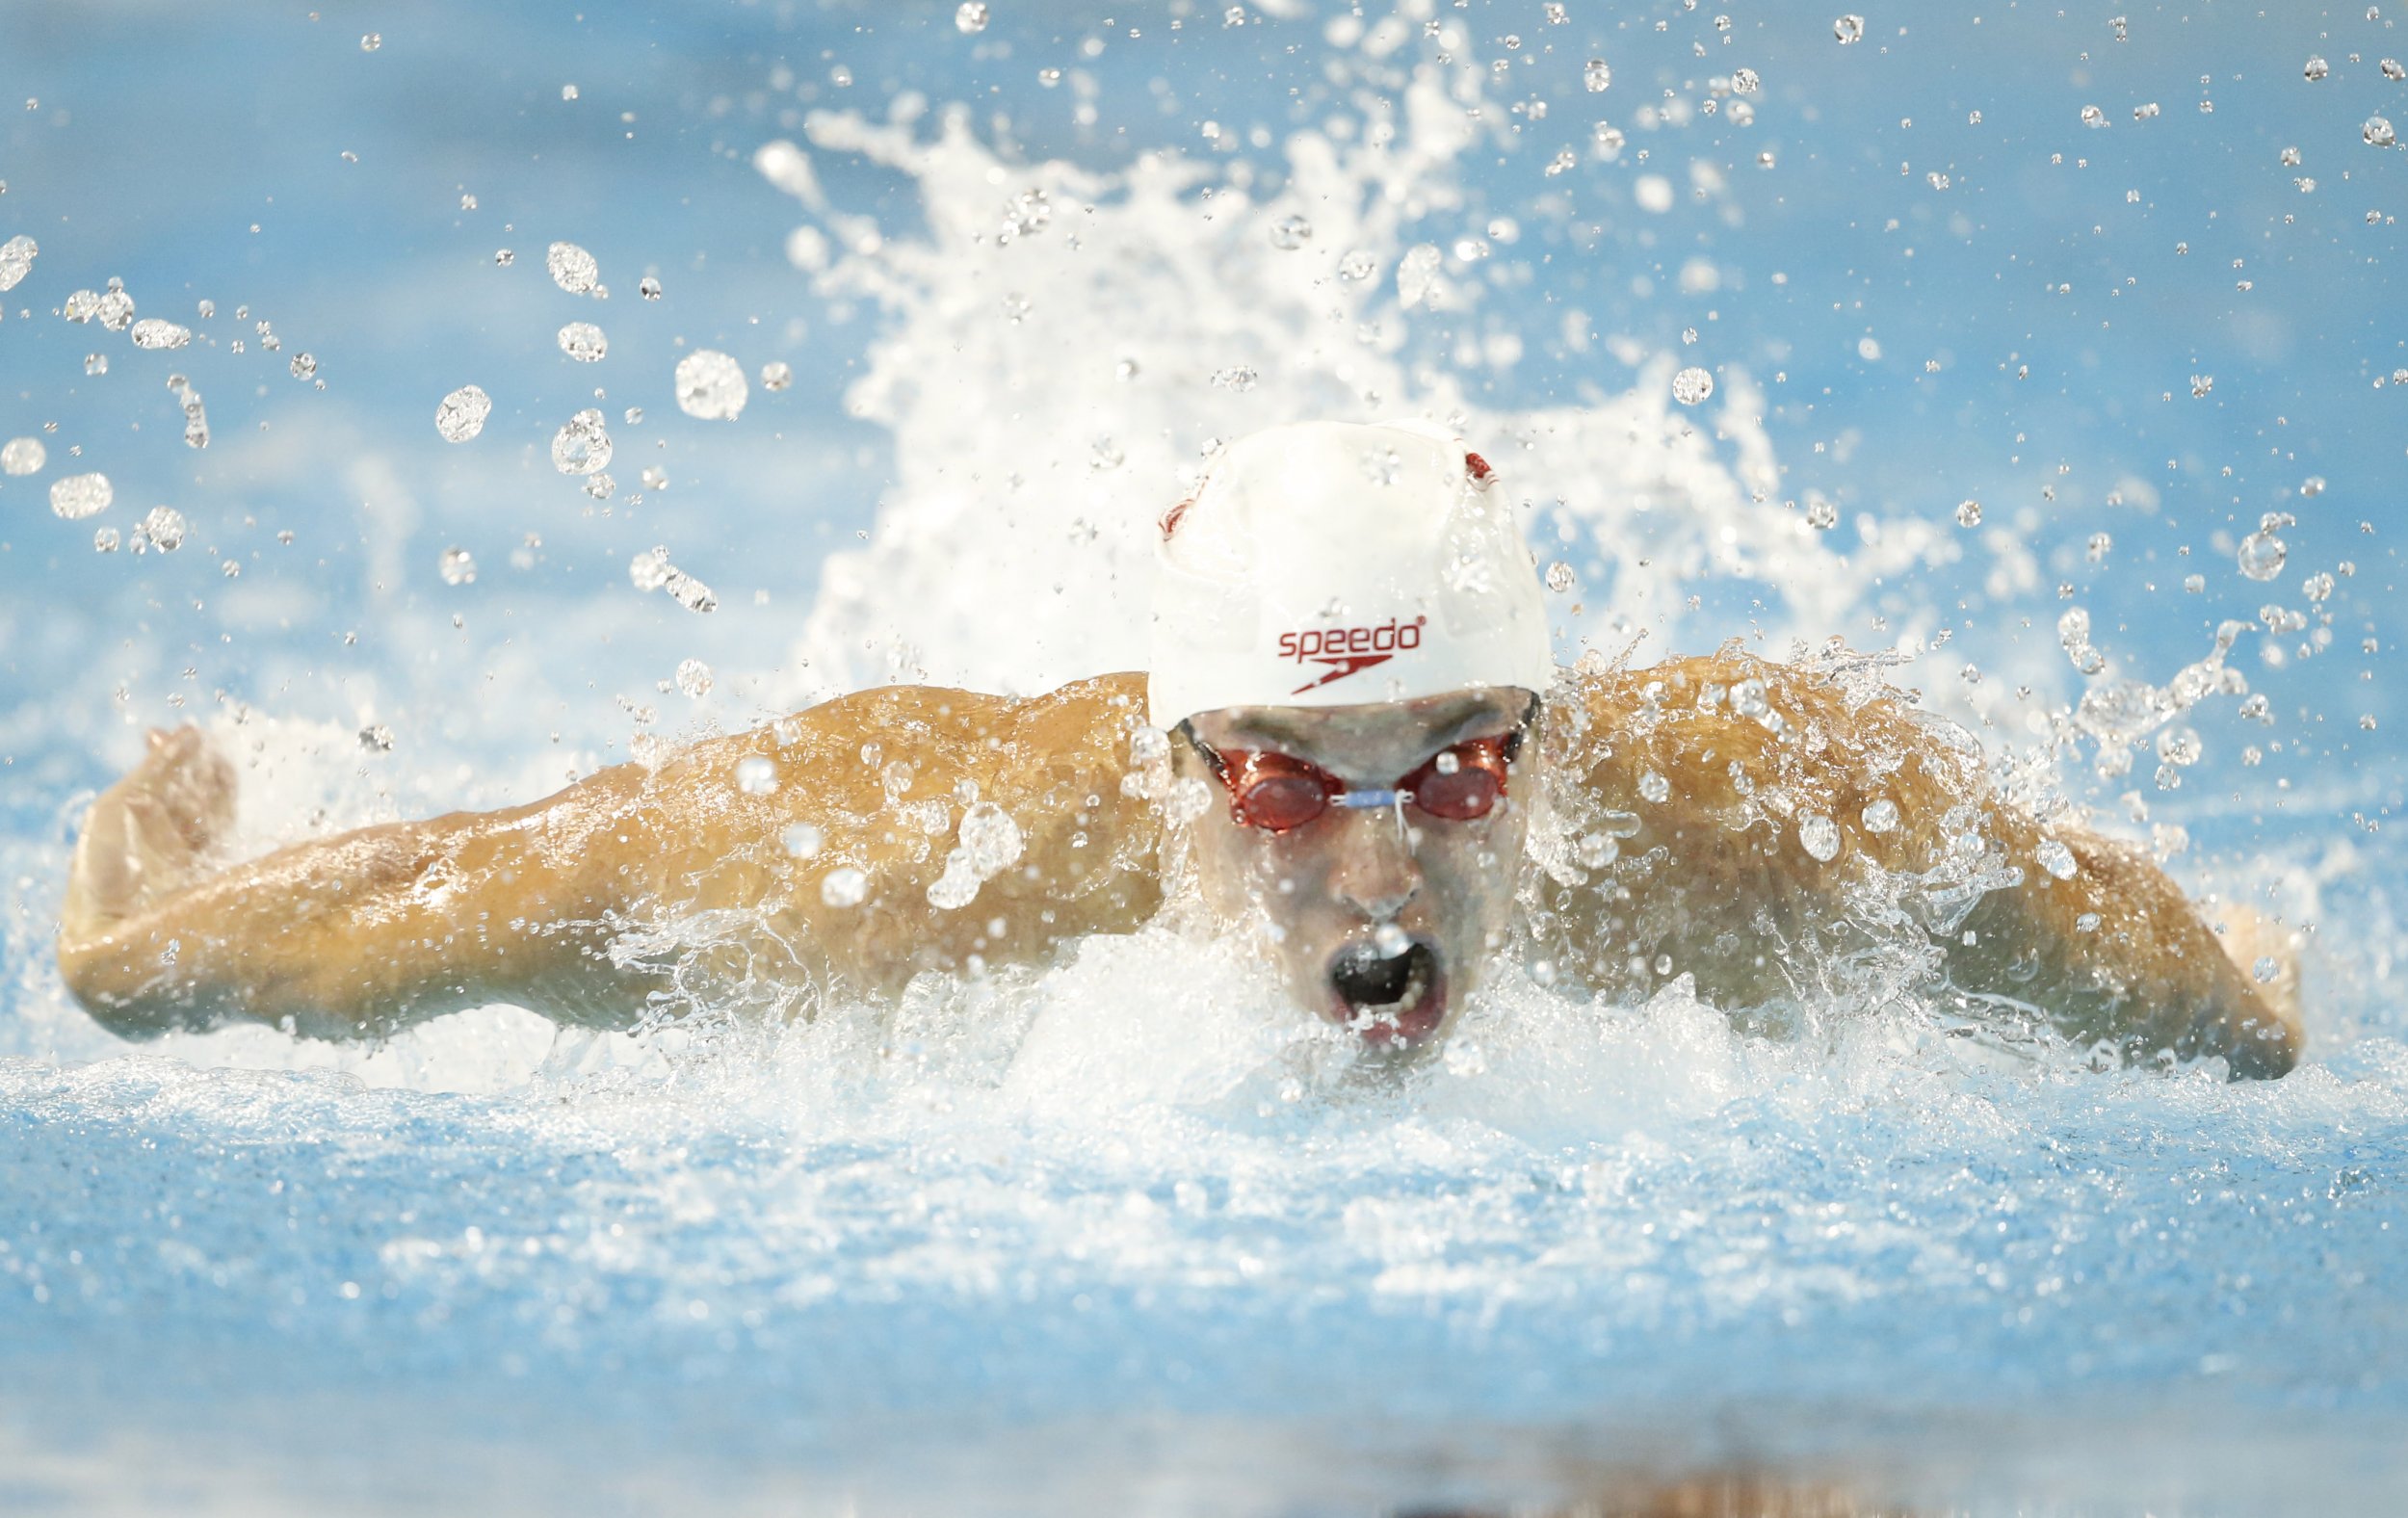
[[1380, 915]]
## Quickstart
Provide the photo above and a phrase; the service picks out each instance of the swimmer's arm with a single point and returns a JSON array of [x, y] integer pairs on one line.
[[355, 935], [2117, 953]]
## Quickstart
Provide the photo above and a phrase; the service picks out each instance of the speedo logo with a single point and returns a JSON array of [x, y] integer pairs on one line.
[[1342, 651]]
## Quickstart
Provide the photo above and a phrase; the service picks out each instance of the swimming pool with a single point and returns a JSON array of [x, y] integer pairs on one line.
[[1123, 1236]]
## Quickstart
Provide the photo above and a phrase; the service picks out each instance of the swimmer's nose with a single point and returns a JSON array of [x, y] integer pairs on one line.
[[1376, 873]]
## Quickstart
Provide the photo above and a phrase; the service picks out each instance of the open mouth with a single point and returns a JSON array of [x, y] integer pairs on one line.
[[1390, 1000]]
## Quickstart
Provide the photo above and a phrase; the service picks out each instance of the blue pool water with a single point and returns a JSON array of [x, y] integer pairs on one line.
[[1078, 1242]]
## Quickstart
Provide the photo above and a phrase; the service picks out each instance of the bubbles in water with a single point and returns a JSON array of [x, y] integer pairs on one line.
[[303, 366], [1745, 81], [2393, 69], [1388, 940], [1881, 816], [1559, 578], [16, 260], [2055, 858], [2316, 70], [572, 268], [371, 41], [991, 839], [583, 445], [2379, 133], [460, 415], [114, 311], [648, 287], [1654, 787], [1969, 513], [844, 886], [711, 386], [2179, 746], [104, 540], [971, 16], [800, 840], [163, 528], [2261, 554], [2317, 587], [503, 259], [1417, 274], [777, 375], [154, 333], [457, 565], [1822, 513], [1848, 29], [1291, 232], [599, 484], [22, 456], [693, 676], [1596, 851], [756, 775], [1691, 385], [1555, 12], [1819, 836], [78, 496], [1357, 265], [1597, 75], [584, 342]]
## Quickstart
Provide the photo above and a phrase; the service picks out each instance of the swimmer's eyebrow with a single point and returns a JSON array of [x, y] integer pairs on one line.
[[1447, 727]]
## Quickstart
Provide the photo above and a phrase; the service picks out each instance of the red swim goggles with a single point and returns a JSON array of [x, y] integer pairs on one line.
[[1280, 793]]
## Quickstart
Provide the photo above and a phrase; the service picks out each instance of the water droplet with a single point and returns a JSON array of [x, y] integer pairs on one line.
[[1417, 274], [2393, 69], [1388, 940], [572, 268], [1881, 816], [1692, 386], [104, 540], [458, 566], [78, 496], [599, 484], [1819, 836], [711, 386], [1598, 75], [654, 478], [468, 203], [2262, 555], [1237, 376], [2265, 969], [1104, 455], [1126, 370], [690, 592], [990, 839], [460, 415], [2201, 384], [756, 775], [371, 41], [693, 676], [1822, 513], [1289, 233], [583, 445], [800, 840], [2055, 858], [844, 886], [1969, 513], [503, 259], [1596, 851], [2316, 70], [568, 92], [376, 738], [16, 260], [23, 455], [649, 570], [584, 342], [1560, 577], [971, 16], [303, 366], [2095, 549], [1848, 29], [777, 375], [2379, 133], [1745, 81], [114, 311], [163, 528], [154, 333], [1654, 787]]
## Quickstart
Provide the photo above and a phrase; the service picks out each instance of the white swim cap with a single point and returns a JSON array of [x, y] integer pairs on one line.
[[1328, 563]]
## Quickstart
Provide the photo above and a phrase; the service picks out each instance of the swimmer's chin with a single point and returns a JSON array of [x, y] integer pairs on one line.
[[1395, 1005]]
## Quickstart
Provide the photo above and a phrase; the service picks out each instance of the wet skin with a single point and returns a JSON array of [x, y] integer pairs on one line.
[[1315, 896], [634, 883]]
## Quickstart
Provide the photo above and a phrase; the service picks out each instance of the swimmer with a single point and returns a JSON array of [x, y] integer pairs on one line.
[[1351, 751]]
